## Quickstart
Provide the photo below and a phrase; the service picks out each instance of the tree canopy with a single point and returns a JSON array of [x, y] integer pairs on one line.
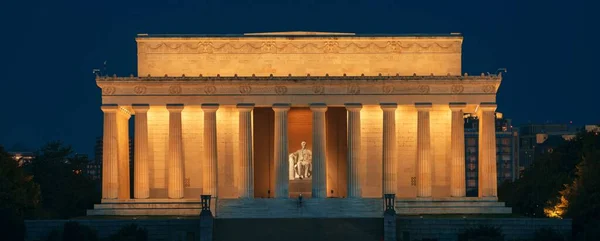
[[563, 184]]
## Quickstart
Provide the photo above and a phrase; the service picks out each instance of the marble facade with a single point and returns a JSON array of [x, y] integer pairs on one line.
[[201, 106]]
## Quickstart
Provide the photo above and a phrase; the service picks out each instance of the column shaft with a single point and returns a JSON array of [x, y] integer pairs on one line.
[[390, 184], [246, 178], [210, 150], [487, 150], [141, 182], [457, 145], [281, 150], [123, 152], [319, 163], [423, 150], [354, 140], [110, 167], [175, 164]]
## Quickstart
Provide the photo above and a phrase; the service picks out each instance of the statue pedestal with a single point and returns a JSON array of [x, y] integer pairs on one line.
[[298, 187]]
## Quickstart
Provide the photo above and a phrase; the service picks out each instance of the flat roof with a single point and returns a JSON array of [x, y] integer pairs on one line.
[[297, 34]]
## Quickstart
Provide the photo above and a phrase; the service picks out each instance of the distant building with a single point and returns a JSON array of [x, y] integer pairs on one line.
[[22, 157], [97, 164], [507, 149], [532, 135]]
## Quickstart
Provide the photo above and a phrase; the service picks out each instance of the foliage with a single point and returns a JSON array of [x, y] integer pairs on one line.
[[130, 233], [481, 233], [73, 231], [548, 234], [19, 198], [563, 184], [19, 195], [65, 192]]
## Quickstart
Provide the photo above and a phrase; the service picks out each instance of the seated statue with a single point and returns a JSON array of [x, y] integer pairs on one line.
[[300, 163]]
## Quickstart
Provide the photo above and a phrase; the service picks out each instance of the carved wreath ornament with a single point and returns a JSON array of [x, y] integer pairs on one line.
[[353, 89], [175, 89], [108, 90], [209, 90], [488, 89], [456, 89], [245, 89], [280, 90], [318, 89], [424, 89], [388, 89], [139, 90]]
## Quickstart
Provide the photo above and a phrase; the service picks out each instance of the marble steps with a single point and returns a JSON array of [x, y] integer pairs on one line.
[[453, 210], [148, 205], [417, 204], [145, 212], [288, 208]]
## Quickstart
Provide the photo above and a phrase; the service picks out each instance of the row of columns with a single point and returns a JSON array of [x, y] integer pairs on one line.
[[115, 148]]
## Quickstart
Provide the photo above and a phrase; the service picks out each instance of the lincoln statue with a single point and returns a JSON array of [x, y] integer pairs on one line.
[[301, 163]]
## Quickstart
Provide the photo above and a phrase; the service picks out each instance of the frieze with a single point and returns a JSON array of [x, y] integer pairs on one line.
[[360, 85], [292, 47]]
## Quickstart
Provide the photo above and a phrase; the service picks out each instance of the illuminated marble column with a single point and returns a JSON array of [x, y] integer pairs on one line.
[[390, 184], [487, 150], [141, 180], [210, 186], [354, 138], [319, 164], [175, 153], [246, 178], [281, 150], [123, 116], [457, 151], [110, 157], [424, 157]]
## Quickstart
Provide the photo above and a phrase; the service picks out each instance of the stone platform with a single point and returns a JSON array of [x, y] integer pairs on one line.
[[289, 208], [465, 205]]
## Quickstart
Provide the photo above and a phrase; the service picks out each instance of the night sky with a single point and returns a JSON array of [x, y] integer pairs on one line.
[[49, 49]]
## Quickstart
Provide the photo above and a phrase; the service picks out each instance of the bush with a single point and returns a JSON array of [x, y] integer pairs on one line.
[[73, 231], [481, 233], [548, 234], [130, 233]]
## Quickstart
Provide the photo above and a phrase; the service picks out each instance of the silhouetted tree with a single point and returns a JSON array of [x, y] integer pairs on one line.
[[65, 191], [19, 198]]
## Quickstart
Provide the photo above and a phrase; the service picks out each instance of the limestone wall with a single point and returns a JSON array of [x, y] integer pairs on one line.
[[158, 136], [192, 119], [371, 120], [406, 141], [227, 151]]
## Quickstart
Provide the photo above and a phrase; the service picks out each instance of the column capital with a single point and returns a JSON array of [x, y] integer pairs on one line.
[[109, 108], [278, 107], [318, 107], [388, 106], [210, 107], [423, 106], [487, 106], [245, 107], [175, 107], [140, 108], [353, 106], [457, 106]]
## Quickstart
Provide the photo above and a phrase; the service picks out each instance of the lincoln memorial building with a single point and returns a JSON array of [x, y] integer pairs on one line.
[[259, 120]]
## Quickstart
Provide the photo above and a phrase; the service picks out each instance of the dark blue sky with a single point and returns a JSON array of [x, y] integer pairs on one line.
[[49, 49]]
